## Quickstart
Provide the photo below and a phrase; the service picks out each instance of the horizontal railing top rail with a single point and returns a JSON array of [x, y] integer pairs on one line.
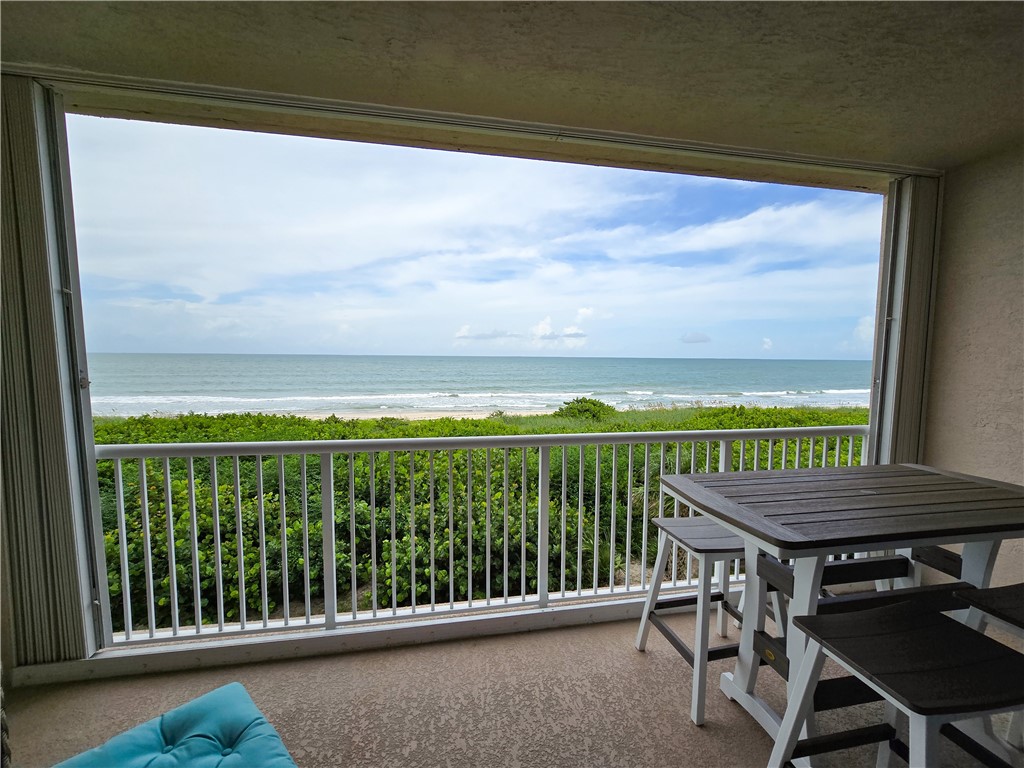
[[292, 447]]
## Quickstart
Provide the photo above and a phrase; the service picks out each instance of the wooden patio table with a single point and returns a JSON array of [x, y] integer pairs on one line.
[[804, 515]]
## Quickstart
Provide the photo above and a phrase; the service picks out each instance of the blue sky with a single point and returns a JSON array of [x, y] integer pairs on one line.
[[207, 240]]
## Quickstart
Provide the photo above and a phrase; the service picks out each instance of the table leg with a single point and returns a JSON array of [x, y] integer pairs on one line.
[[807, 573], [913, 577], [739, 684], [755, 595], [979, 559]]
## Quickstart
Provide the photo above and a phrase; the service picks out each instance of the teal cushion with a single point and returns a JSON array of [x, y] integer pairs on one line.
[[221, 729]]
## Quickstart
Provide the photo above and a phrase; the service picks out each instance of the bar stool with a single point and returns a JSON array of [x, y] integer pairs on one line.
[[1006, 606], [714, 548], [932, 668]]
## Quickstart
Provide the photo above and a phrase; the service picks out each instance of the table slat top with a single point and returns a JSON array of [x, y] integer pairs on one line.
[[846, 506]]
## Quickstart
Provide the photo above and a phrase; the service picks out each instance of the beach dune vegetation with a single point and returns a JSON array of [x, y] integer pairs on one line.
[[410, 527]]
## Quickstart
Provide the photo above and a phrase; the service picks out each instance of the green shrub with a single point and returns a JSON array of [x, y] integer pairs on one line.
[[585, 408]]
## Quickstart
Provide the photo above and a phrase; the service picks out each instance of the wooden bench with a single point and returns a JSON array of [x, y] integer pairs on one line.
[[714, 548], [931, 667], [1006, 605]]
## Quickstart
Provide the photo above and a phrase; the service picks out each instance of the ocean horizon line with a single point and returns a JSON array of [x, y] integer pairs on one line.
[[497, 357]]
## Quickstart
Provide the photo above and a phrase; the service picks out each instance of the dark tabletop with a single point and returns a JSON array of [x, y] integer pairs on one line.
[[832, 508]]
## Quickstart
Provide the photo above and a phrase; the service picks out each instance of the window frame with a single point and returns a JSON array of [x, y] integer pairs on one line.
[[907, 252]]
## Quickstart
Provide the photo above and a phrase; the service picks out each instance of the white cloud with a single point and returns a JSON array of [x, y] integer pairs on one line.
[[695, 338], [766, 344], [304, 245], [774, 230], [865, 330]]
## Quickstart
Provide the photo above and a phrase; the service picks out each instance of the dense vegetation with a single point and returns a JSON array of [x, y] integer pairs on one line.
[[574, 417], [409, 526]]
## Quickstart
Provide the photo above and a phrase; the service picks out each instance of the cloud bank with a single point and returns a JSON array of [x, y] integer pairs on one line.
[[197, 239]]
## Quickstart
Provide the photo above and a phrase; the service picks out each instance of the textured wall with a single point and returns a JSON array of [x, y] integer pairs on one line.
[[930, 85], [975, 415]]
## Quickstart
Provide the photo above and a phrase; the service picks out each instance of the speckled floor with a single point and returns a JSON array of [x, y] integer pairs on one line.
[[580, 696]]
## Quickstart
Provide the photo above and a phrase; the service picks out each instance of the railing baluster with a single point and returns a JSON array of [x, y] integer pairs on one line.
[[353, 558], [172, 563], [451, 528], [469, 526], [597, 514], [281, 492], [487, 528], [262, 514], [218, 562], [412, 532], [394, 544], [629, 515], [122, 540], [675, 513], [239, 537], [614, 516], [433, 539], [543, 524], [197, 605], [689, 510], [565, 522], [330, 574], [579, 522], [147, 545], [523, 504], [304, 495], [504, 496], [647, 505], [661, 471], [373, 531], [661, 497]]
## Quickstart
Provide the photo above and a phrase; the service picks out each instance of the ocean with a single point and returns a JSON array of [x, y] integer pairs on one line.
[[129, 384]]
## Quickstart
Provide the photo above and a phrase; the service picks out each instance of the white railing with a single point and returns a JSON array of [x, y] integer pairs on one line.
[[345, 533]]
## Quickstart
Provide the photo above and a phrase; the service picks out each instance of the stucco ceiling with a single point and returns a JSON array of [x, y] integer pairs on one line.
[[928, 85]]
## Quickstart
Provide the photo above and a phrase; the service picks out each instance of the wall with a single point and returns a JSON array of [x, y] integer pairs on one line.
[[974, 419]]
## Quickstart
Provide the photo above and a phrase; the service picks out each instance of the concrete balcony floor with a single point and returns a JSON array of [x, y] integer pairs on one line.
[[580, 696]]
